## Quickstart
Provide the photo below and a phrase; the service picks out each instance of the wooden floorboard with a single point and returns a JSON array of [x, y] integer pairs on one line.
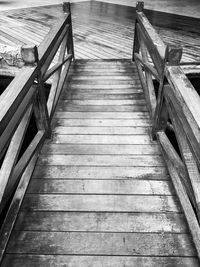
[[100, 194], [96, 172], [106, 261], [124, 244], [101, 221]]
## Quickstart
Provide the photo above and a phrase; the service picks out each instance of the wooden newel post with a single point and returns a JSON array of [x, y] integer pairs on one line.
[[66, 7], [70, 45], [140, 6], [173, 55], [29, 54], [136, 45]]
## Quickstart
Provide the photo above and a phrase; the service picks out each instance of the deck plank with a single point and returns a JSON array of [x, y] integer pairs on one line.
[[103, 203], [101, 243], [102, 160], [60, 130], [101, 115], [142, 122], [17, 260], [101, 222], [106, 187], [100, 172], [69, 149], [103, 139]]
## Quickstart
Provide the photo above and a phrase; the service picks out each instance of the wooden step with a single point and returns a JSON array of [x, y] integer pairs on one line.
[[101, 115], [107, 108], [79, 149], [62, 130], [124, 244], [101, 172], [98, 92], [101, 222], [142, 122], [106, 187], [97, 86], [105, 102], [86, 96], [102, 139], [19, 260], [102, 160], [101, 203]]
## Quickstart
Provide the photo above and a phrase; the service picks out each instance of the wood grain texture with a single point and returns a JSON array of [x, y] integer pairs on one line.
[[142, 122], [102, 122], [112, 203], [101, 115], [102, 139], [97, 172], [107, 130], [66, 149], [101, 222], [106, 187], [17, 260], [101, 243], [102, 160], [96, 108]]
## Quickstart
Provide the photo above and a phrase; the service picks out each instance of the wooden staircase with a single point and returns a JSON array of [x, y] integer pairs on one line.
[[100, 194]]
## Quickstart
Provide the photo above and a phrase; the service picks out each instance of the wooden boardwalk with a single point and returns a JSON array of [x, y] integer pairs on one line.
[[100, 194]]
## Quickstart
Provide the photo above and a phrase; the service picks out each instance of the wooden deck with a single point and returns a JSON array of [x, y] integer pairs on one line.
[[101, 30], [100, 194]]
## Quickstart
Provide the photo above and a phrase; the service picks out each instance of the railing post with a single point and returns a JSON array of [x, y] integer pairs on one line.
[[70, 45], [29, 54], [136, 46], [30, 57], [173, 56]]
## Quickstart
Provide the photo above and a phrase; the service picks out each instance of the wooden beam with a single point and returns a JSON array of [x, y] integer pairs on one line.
[[11, 123], [153, 42], [176, 162], [148, 67], [8, 224], [186, 102], [13, 152], [183, 197], [19, 169], [150, 87], [188, 158], [57, 66]]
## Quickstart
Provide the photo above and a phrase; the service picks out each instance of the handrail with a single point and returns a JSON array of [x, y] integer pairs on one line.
[[176, 104], [25, 98]]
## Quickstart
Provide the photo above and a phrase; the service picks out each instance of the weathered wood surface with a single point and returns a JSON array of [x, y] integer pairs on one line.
[[107, 261], [101, 30], [100, 194]]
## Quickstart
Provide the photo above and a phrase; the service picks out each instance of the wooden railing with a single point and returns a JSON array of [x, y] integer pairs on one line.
[[25, 100], [175, 111]]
